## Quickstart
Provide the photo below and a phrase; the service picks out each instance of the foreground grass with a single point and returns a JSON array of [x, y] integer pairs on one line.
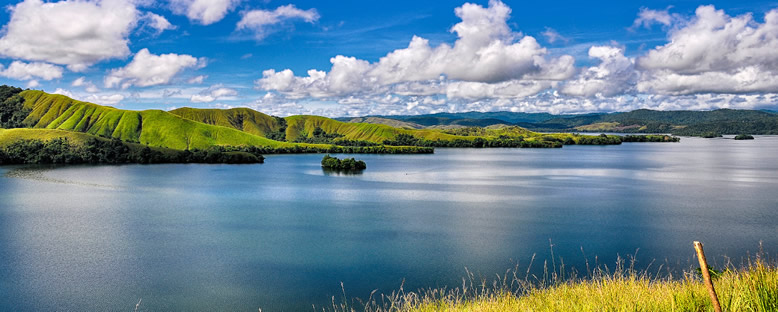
[[752, 287]]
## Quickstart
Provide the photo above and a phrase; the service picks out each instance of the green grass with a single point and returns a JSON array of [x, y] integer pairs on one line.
[[752, 287], [152, 127], [243, 119], [303, 125], [8, 136]]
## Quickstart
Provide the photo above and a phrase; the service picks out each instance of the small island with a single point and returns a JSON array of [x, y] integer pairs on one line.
[[744, 137], [710, 135], [347, 164]]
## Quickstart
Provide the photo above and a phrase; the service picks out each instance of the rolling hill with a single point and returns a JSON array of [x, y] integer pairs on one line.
[[192, 128], [150, 127]]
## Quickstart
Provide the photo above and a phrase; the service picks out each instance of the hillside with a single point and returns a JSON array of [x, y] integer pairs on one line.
[[192, 128], [243, 119], [152, 127], [304, 125], [384, 121], [694, 123]]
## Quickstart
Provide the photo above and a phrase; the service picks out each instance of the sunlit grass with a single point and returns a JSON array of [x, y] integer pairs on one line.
[[750, 287]]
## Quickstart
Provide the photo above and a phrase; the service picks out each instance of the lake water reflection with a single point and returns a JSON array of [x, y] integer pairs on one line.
[[284, 234]]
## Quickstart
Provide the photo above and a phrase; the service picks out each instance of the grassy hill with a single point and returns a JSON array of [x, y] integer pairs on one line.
[[191, 128], [243, 119], [152, 127], [299, 127], [384, 121], [304, 125]]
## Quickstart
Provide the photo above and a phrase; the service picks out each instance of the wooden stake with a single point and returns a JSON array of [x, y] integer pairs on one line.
[[706, 276]]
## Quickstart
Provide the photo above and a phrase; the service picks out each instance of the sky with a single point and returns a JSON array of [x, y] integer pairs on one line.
[[357, 58]]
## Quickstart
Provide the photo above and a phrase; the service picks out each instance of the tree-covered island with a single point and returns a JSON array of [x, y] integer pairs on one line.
[[346, 164]]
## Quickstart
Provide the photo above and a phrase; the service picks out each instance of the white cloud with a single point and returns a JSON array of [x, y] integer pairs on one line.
[[507, 89], [714, 52], [487, 51], [197, 79], [88, 85], [148, 69], [204, 12], [258, 21], [553, 36], [27, 71], [78, 82], [102, 99], [63, 92], [109, 99], [213, 93], [33, 84], [647, 17], [613, 76], [156, 22], [73, 33]]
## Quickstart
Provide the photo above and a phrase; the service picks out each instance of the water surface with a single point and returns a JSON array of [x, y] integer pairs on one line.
[[283, 235]]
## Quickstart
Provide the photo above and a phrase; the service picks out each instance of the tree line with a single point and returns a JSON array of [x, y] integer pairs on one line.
[[97, 151]]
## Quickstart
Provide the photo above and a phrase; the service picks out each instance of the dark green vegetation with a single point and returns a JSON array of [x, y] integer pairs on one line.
[[744, 137], [12, 110], [650, 138], [687, 123], [710, 135], [346, 164], [114, 151]]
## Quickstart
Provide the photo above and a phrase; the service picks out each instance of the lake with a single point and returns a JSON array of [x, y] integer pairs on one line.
[[283, 235]]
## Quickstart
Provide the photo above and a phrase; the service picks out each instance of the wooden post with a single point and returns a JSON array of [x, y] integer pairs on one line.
[[706, 276]]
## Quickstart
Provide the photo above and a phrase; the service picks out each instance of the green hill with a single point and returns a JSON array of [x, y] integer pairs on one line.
[[304, 126], [152, 127], [243, 119], [384, 121], [299, 127], [191, 128]]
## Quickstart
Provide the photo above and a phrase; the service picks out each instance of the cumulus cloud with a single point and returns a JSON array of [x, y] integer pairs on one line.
[[73, 33], [213, 93], [260, 21], [614, 75], [204, 12], [486, 52], [27, 71], [148, 69], [714, 52]]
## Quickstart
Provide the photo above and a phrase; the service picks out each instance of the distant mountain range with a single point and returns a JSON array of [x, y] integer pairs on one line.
[[691, 123]]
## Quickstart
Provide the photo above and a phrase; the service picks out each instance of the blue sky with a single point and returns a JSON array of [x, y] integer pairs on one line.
[[529, 56]]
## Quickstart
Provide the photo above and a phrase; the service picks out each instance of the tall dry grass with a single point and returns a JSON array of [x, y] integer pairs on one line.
[[751, 286]]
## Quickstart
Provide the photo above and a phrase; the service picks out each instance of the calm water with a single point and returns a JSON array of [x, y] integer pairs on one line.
[[283, 235]]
